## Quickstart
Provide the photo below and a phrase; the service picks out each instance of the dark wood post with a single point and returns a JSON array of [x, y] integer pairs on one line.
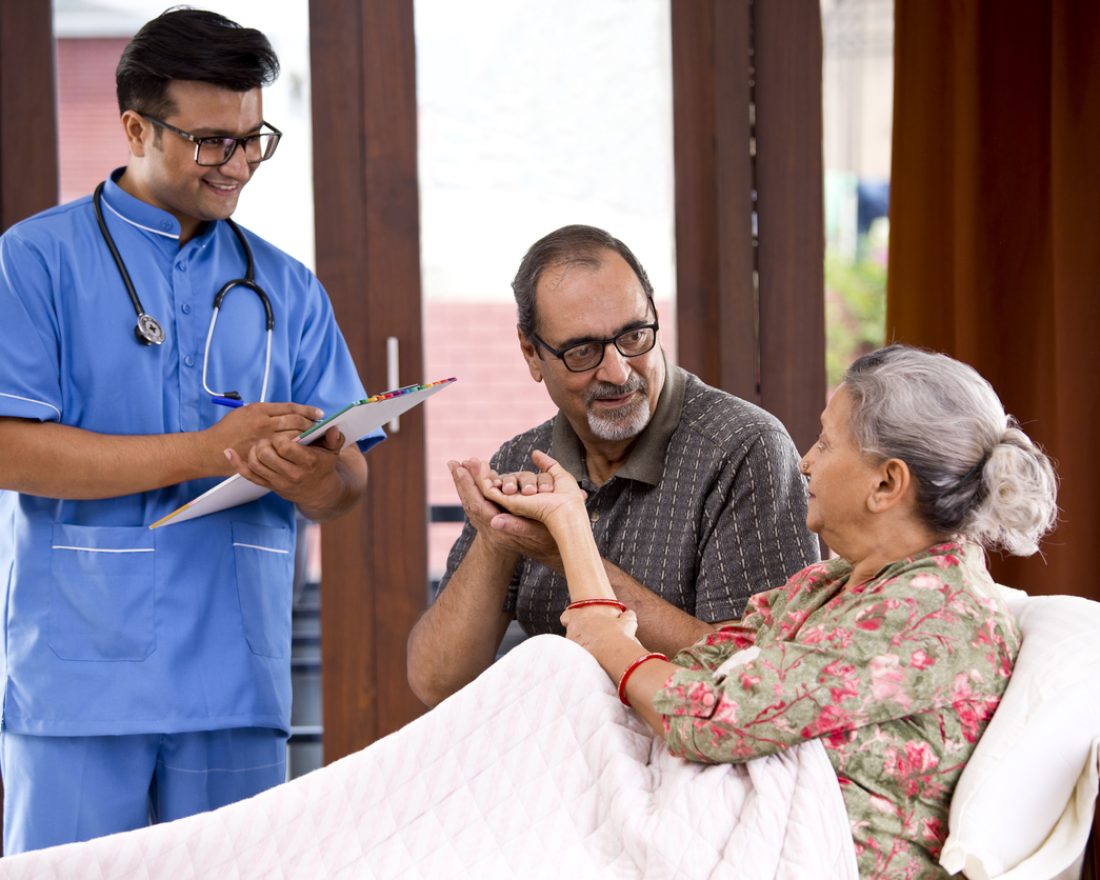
[[374, 569], [749, 212]]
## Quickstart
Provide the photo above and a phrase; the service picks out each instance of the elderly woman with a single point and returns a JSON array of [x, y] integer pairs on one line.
[[897, 652]]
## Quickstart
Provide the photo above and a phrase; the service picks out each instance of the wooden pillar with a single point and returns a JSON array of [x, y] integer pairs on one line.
[[374, 569], [791, 213], [749, 209], [715, 266], [28, 133], [28, 108]]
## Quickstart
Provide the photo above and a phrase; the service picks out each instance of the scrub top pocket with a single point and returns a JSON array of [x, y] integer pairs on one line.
[[102, 593], [264, 557]]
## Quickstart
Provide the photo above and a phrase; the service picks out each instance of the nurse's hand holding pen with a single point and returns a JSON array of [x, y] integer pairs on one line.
[[241, 428], [323, 479]]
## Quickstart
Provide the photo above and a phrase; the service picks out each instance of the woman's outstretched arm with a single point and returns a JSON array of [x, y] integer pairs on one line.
[[553, 498]]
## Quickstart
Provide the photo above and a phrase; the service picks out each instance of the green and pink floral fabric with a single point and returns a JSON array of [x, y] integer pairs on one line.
[[898, 676]]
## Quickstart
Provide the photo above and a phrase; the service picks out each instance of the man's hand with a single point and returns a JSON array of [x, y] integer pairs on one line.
[[260, 442], [310, 476], [551, 496], [504, 534], [242, 428]]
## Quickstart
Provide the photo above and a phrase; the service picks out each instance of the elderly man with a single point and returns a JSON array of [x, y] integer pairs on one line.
[[694, 495]]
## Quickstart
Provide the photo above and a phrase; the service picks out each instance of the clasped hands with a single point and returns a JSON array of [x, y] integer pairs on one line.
[[492, 510], [529, 513]]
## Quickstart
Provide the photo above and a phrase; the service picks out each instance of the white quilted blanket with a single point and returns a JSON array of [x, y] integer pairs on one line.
[[534, 770]]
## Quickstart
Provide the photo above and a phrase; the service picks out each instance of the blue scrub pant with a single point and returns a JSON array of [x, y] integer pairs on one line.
[[60, 789]]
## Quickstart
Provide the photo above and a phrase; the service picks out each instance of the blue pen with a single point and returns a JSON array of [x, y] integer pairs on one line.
[[226, 400]]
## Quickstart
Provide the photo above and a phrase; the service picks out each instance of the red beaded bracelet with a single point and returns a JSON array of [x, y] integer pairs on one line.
[[584, 603], [653, 655]]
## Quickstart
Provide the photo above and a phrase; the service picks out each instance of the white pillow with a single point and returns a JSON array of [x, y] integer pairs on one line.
[[1020, 779]]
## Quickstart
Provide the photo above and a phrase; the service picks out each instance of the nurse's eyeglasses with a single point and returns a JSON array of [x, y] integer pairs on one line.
[[212, 151]]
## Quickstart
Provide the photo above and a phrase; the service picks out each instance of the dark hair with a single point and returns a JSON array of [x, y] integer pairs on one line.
[[575, 245], [977, 473], [190, 44]]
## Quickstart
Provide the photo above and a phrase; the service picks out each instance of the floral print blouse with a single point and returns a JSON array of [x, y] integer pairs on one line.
[[898, 676]]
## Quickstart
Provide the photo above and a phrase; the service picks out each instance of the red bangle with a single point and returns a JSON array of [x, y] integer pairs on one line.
[[584, 603], [653, 655]]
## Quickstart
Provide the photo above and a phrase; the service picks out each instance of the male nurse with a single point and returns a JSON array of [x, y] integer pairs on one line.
[[147, 672]]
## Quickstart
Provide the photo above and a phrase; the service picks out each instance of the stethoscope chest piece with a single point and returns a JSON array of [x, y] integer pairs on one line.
[[148, 330]]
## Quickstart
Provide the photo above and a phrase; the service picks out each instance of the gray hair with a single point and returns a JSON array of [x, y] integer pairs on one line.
[[977, 474], [574, 245]]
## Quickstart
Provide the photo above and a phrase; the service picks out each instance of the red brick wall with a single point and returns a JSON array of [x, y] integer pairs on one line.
[[91, 141]]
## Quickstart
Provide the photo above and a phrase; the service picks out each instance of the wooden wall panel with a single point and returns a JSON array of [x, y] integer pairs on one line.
[[374, 560], [28, 119], [790, 207], [28, 110], [749, 212], [715, 264]]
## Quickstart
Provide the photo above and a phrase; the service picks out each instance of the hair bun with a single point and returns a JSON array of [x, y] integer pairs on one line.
[[1019, 506]]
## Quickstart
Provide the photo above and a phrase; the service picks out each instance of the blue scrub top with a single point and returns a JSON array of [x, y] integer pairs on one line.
[[110, 628]]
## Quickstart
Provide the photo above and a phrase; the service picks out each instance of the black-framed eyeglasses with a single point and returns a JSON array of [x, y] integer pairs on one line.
[[588, 353], [211, 151]]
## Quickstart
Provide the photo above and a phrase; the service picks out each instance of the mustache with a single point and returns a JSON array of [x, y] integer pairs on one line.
[[602, 390]]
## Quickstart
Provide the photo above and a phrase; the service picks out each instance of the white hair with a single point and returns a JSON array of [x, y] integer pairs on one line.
[[978, 475]]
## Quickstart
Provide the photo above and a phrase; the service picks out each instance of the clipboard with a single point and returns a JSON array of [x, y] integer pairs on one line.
[[355, 420]]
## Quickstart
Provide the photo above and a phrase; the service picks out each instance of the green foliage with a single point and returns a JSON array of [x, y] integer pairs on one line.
[[855, 308]]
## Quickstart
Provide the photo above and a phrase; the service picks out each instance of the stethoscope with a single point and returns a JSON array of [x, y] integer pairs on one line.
[[149, 331]]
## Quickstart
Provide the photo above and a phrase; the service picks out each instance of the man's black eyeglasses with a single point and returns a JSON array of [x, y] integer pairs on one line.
[[588, 353], [218, 149]]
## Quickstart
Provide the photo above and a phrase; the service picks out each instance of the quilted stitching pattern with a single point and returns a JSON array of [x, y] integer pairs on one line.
[[535, 770]]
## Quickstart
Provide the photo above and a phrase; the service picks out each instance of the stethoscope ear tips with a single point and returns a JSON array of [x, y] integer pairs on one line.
[[148, 330]]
